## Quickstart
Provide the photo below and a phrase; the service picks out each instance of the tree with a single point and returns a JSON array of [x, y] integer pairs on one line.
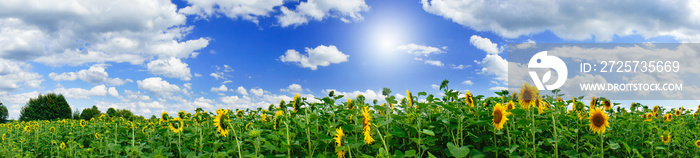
[[111, 112], [46, 107], [89, 113], [76, 114], [3, 113]]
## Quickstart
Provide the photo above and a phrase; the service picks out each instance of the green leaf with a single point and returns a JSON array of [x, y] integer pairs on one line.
[[428, 132], [458, 152]]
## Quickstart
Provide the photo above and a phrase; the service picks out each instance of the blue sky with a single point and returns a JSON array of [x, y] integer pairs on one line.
[[160, 55]]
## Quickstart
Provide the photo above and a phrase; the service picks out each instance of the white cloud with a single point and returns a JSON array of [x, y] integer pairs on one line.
[[257, 91], [187, 86], [221, 88], [369, 94], [319, 56], [217, 75], [435, 87], [293, 88], [241, 90], [203, 102], [468, 82], [113, 92], [574, 20], [96, 74], [170, 67], [460, 66], [157, 86], [13, 74], [234, 9], [492, 64], [85, 31], [197, 75], [484, 44], [79, 93], [346, 10], [69, 76], [135, 96], [528, 44], [434, 63], [423, 50]]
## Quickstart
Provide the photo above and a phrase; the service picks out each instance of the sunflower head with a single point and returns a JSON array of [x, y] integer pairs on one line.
[[62, 146], [559, 99], [164, 116], [239, 113], [500, 116], [598, 120], [666, 138], [296, 104], [648, 117], [176, 125], [607, 104], [656, 109], [282, 105], [469, 99], [697, 143], [409, 98], [594, 102], [528, 96], [181, 114], [221, 122], [678, 112], [339, 136], [510, 105], [578, 106], [349, 104], [83, 123]]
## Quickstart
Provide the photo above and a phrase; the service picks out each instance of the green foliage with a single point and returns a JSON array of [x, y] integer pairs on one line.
[[46, 107], [76, 114], [111, 112], [89, 113], [3, 113]]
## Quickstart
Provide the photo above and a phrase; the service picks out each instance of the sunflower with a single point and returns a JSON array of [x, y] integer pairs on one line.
[[510, 105], [500, 116], [366, 129], [391, 105], [239, 113], [350, 107], [678, 112], [593, 102], [62, 146], [607, 104], [164, 117], [668, 117], [528, 95], [666, 138], [143, 130], [221, 122], [3, 137], [656, 109], [578, 106], [409, 98], [27, 129], [697, 142], [599, 120], [648, 117], [278, 114], [541, 106], [469, 99], [573, 99], [341, 154], [282, 106], [83, 123], [559, 100], [296, 103], [52, 129], [176, 125], [339, 136]]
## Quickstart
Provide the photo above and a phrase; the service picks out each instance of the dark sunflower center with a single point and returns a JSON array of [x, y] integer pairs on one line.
[[527, 95], [598, 120], [697, 143], [497, 116]]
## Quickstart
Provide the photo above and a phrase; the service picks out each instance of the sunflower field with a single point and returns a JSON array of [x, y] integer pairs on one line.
[[455, 124]]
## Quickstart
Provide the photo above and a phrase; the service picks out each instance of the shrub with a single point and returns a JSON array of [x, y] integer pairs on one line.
[[89, 113]]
